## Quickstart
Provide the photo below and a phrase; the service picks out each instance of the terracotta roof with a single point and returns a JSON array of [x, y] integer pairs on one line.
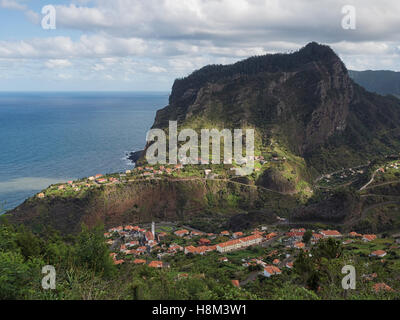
[[382, 286], [369, 237], [379, 253], [276, 261], [181, 232], [272, 270], [236, 283], [299, 245], [331, 233], [156, 264], [139, 261]]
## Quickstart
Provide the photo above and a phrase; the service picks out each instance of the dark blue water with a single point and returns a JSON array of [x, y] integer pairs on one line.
[[47, 138]]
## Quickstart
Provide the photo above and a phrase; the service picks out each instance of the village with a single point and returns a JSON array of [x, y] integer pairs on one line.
[[223, 171], [139, 246]]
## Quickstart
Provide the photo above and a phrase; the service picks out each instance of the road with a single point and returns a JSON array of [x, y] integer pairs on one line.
[[370, 181]]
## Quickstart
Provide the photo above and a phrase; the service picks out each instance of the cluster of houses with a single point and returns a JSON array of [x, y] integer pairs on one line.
[[137, 241]]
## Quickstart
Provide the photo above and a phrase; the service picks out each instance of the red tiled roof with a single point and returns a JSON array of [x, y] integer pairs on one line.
[[236, 283], [382, 286], [272, 270], [156, 264], [299, 245], [378, 253], [331, 233], [139, 261], [369, 237]]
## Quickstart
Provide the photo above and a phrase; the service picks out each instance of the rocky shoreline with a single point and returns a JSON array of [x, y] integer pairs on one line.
[[135, 155]]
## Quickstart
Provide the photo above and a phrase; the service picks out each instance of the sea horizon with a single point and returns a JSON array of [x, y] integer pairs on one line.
[[54, 136]]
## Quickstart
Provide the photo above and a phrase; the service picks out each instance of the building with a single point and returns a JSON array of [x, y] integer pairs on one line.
[[331, 234], [354, 234], [237, 235], [190, 249], [299, 245], [239, 243], [270, 271], [181, 233], [368, 237], [236, 283], [156, 264], [204, 241], [378, 253], [139, 261], [289, 265], [382, 286]]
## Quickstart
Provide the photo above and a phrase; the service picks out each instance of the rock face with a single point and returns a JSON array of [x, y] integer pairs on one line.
[[306, 100], [143, 202]]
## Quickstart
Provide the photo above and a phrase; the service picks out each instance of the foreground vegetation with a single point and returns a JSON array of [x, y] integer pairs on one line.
[[85, 270]]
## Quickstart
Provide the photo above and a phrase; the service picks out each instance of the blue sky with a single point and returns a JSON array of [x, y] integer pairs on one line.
[[136, 45]]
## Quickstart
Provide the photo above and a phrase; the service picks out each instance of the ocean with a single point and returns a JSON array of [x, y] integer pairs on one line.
[[47, 138]]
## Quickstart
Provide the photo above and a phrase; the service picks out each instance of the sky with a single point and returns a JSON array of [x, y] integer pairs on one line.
[[143, 45]]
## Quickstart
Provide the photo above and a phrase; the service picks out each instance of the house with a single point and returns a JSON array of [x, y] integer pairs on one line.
[[382, 286], [117, 262], [331, 234], [98, 176], [237, 235], [41, 195], [175, 248], [181, 233], [271, 235], [224, 233], [196, 233], [139, 261], [276, 261], [271, 270], [316, 237], [236, 283], [368, 237], [299, 245], [289, 265], [239, 243], [378, 253], [204, 241], [155, 264], [354, 234], [190, 249], [229, 246], [223, 259]]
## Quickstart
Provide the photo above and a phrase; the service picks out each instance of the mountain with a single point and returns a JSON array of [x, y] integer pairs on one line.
[[309, 118], [305, 102], [381, 81]]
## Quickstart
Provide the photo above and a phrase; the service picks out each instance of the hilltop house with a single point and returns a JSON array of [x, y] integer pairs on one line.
[[270, 271], [331, 234]]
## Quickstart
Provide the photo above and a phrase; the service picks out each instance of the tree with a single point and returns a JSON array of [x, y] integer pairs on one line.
[[307, 236], [92, 251]]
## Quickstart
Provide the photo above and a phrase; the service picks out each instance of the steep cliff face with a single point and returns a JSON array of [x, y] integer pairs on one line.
[[305, 100], [143, 202]]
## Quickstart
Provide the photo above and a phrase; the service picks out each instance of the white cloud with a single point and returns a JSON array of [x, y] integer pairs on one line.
[[12, 4], [58, 63], [156, 69]]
